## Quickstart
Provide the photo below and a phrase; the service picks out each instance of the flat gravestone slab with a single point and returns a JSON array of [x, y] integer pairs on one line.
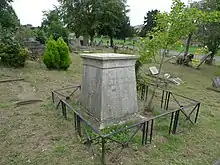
[[154, 70]]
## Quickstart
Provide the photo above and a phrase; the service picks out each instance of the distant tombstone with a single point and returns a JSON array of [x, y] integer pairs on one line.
[[216, 82], [100, 43], [154, 70], [31, 39]]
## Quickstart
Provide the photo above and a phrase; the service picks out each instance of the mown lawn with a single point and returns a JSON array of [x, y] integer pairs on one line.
[[192, 49], [38, 135], [116, 41]]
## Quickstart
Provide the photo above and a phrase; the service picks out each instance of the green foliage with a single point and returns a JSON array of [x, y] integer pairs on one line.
[[89, 17], [171, 27], [196, 60], [209, 32], [82, 17], [125, 30], [4, 3], [112, 18], [150, 22], [64, 53], [8, 17], [53, 25], [41, 36], [56, 55], [24, 33], [13, 55], [11, 52], [51, 55]]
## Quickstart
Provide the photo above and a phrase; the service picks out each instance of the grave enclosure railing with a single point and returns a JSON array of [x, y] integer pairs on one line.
[[172, 105]]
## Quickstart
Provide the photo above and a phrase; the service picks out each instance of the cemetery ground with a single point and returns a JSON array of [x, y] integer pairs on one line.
[[129, 43], [36, 134]]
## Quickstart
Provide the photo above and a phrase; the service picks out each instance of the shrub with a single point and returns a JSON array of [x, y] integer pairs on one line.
[[56, 55], [63, 50], [13, 55], [51, 55]]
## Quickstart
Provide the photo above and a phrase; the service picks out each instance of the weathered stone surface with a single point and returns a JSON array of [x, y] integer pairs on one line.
[[216, 82], [35, 47], [217, 162], [109, 86], [154, 70]]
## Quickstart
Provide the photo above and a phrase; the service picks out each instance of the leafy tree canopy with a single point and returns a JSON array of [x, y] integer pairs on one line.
[[88, 17], [150, 22], [125, 30], [209, 32], [8, 17], [4, 3], [53, 25]]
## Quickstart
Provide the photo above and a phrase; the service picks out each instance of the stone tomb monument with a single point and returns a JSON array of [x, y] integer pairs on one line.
[[109, 87]]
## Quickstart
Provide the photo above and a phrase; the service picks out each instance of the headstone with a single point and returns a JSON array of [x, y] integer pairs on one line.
[[35, 48], [216, 82], [154, 70], [175, 81], [166, 76], [74, 42], [109, 87]]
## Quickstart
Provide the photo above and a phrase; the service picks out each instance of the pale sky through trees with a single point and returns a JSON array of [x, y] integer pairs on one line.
[[30, 11]]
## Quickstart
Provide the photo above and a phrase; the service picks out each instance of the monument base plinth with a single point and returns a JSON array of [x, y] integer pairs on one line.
[[109, 86]]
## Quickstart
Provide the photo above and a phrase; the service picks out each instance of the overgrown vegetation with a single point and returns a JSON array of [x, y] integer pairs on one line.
[[57, 54], [12, 54], [170, 28], [53, 25]]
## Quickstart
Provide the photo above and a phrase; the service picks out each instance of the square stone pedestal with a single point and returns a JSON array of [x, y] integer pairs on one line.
[[109, 87]]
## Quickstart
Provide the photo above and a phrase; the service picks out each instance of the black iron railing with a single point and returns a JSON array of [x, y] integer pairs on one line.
[[172, 105]]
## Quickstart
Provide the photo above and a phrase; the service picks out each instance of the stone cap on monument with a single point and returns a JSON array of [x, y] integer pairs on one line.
[[109, 56]]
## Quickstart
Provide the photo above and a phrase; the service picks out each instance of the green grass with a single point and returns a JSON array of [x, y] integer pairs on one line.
[[3, 105], [192, 49], [116, 41], [38, 135]]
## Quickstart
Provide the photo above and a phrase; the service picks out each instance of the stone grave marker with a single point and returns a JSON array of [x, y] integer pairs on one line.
[[109, 91], [154, 70]]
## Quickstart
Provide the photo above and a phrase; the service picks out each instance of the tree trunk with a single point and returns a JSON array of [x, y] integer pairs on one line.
[[85, 40], [210, 60], [92, 35], [111, 41], [91, 39], [150, 106], [188, 44]]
